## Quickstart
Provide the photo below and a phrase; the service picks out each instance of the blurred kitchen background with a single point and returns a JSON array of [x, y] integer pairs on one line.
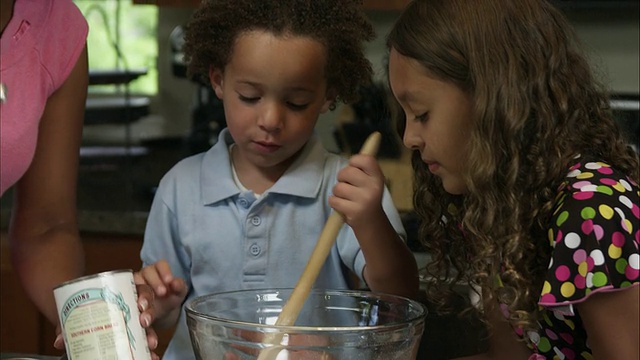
[[168, 111], [143, 115]]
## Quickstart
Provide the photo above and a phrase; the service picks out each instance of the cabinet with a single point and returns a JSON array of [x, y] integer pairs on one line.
[[368, 4], [183, 3], [23, 329], [385, 4]]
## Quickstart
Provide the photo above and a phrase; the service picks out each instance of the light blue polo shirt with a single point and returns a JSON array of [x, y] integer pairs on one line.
[[218, 238]]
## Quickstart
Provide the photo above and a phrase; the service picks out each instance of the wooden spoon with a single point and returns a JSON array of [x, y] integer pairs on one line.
[[327, 238]]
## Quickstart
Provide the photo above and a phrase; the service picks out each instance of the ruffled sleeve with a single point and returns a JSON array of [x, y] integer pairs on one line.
[[594, 234]]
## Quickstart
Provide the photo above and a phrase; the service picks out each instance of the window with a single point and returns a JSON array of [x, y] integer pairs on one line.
[[120, 25]]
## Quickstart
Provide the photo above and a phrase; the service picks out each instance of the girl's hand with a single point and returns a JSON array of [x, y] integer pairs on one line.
[[169, 292], [358, 193]]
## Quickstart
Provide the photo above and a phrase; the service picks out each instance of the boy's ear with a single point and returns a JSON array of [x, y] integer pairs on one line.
[[215, 77], [329, 100]]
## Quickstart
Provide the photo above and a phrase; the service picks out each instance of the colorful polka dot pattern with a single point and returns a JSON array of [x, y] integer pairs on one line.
[[595, 237]]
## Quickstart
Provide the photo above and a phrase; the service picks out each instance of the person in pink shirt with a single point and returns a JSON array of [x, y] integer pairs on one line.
[[43, 88]]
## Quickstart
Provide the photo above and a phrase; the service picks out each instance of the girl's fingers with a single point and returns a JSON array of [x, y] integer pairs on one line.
[[366, 163]]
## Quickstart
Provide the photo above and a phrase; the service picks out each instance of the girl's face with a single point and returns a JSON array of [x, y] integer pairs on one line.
[[273, 90], [438, 119]]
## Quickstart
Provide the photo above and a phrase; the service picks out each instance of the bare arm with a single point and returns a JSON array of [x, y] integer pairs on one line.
[[391, 267], [612, 322], [45, 245], [503, 342]]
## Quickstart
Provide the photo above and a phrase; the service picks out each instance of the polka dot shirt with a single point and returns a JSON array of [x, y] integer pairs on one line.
[[594, 233]]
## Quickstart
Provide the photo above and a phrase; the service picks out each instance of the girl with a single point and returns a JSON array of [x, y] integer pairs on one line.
[[247, 213], [523, 182]]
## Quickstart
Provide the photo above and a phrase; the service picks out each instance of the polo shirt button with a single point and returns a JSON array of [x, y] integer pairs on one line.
[[256, 220], [244, 203], [255, 250]]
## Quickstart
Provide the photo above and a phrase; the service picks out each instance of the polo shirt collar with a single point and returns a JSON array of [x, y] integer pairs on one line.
[[303, 178]]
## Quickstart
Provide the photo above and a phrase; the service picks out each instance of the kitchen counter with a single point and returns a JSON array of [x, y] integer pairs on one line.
[[111, 222], [115, 191]]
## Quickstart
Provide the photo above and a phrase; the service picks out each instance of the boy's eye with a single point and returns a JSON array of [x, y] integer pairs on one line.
[[297, 107], [248, 99]]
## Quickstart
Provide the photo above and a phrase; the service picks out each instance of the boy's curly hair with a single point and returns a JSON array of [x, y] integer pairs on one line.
[[340, 25], [536, 106]]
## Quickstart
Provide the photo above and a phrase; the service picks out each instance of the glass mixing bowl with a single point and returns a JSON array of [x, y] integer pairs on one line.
[[333, 324]]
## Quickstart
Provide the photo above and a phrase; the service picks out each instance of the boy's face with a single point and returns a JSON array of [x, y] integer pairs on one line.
[[438, 119], [273, 90]]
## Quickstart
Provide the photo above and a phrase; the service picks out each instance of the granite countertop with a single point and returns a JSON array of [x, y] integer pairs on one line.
[[115, 191], [107, 203], [111, 222]]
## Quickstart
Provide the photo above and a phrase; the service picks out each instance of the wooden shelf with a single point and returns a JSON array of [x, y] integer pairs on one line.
[[115, 110], [115, 76]]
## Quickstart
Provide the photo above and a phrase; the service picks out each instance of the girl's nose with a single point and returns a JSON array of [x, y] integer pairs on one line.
[[411, 138]]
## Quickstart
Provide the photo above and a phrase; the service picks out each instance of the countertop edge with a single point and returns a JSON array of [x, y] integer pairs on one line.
[[111, 222]]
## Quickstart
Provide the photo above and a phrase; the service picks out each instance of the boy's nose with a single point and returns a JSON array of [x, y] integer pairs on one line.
[[271, 118]]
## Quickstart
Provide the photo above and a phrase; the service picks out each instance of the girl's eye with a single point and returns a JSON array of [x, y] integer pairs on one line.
[[422, 117], [248, 99]]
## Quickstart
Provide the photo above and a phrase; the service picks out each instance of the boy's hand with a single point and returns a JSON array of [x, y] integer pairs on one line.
[[169, 291], [358, 193]]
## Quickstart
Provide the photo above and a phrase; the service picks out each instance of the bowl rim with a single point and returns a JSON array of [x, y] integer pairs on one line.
[[417, 319]]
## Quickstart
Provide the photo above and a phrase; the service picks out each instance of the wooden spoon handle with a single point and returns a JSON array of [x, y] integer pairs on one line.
[[328, 236], [319, 255]]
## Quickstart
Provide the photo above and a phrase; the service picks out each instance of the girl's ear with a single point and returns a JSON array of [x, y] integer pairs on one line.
[[329, 101], [215, 77]]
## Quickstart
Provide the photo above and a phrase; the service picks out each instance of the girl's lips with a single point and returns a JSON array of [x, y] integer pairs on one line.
[[433, 166]]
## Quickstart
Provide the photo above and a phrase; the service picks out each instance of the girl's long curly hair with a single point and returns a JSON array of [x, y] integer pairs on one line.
[[536, 106], [340, 25]]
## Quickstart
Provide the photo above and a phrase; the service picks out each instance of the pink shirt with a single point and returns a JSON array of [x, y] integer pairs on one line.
[[38, 49]]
